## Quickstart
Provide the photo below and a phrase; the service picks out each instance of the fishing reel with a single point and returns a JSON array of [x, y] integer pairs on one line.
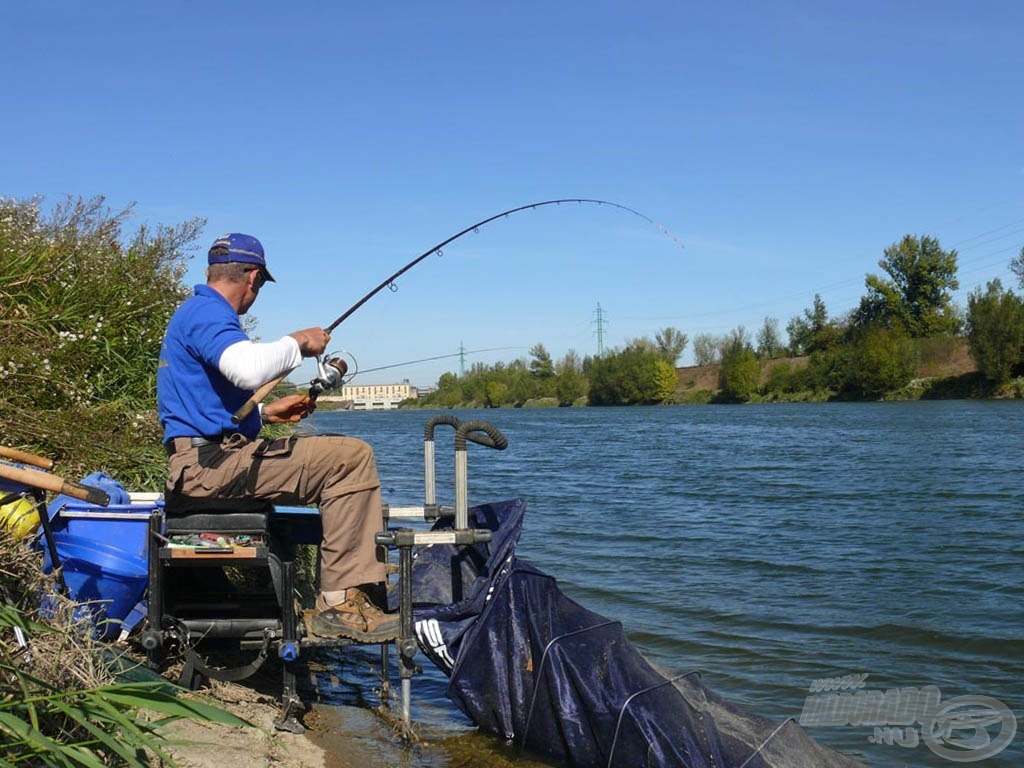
[[331, 374]]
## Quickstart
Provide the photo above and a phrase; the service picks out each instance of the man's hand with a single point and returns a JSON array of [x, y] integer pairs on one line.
[[312, 341], [288, 409]]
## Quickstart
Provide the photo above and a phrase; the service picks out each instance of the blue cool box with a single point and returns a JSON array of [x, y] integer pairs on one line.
[[103, 551], [125, 526], [109, 580]]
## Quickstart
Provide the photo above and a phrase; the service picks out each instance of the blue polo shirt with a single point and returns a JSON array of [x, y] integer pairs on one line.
[[193, 398]]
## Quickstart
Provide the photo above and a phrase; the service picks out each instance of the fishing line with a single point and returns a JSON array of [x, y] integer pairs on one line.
[[351, 371], [427, 359]]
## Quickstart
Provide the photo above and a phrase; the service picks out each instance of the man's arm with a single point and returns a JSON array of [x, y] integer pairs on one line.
[[248, 365]]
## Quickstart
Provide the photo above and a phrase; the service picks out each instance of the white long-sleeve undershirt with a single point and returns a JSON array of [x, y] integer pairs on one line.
[[249, 365]]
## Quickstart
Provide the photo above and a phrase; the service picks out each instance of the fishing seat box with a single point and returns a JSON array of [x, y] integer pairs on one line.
[[195, 603]]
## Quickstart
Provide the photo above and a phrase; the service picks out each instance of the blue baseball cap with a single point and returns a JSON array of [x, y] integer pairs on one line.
[[235, 246]]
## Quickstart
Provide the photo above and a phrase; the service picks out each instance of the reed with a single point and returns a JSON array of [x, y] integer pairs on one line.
[[83, 306]]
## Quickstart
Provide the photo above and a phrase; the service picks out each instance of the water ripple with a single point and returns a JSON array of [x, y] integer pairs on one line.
[[770, 545]]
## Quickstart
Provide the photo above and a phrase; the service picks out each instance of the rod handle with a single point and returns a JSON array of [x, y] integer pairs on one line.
[[258, 397], [54, 483], [25, 458]]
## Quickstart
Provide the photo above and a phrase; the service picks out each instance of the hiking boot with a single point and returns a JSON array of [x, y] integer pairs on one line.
[[357, 618], [378, 593]]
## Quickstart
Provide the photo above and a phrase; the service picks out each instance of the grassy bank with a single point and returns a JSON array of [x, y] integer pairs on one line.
[[83, 306], [945, 370]]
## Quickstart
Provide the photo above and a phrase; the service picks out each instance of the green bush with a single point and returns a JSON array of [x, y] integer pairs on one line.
[[740, 375], [1014, 388], [83, 308], [995, 335], [828, 371], [786, 379], [636, 375], [883, 360]]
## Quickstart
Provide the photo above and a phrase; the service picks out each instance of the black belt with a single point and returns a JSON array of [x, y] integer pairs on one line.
[[195, 442]]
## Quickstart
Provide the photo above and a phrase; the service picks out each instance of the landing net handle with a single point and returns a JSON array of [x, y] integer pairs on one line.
[[35, 482]]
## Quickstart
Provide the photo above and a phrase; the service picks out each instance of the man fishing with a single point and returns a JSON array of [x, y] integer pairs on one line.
[[208, 370]]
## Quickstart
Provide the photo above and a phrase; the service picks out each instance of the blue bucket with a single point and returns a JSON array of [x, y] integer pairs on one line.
[[109, 580], [126, 524]]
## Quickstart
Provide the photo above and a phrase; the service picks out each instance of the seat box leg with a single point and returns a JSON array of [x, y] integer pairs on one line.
[[152, 637]]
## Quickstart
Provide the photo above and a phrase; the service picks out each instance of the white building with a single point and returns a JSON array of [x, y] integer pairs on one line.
[[376, 397]]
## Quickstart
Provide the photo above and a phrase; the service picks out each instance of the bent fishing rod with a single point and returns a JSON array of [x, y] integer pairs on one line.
[[329, 369]]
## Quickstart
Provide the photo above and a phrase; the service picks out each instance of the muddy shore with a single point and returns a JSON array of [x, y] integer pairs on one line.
[[335, 737]]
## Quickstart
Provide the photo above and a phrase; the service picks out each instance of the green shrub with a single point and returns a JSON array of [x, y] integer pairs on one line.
[[995, 335], [740, 375], [636, 375], [83, 308], [883, 360], [1014, 388], [829, 370]]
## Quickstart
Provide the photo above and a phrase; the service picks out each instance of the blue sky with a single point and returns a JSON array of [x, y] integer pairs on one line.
[[785, 144]]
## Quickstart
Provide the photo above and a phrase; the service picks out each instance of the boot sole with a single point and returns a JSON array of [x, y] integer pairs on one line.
[[323, 629]]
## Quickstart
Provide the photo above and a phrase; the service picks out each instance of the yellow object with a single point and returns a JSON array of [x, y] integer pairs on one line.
[[19, 518]]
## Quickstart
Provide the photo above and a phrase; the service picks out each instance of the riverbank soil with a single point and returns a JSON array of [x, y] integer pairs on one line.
[[329, 741], [945, 358], [194, 744], [337, 736]]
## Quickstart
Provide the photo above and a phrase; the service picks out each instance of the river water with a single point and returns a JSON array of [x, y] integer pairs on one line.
[[769, 546]]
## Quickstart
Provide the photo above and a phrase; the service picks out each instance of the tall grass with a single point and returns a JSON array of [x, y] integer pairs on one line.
[[83, 306]]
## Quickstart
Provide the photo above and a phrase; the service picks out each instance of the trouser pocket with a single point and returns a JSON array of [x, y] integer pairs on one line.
[[267, 451]]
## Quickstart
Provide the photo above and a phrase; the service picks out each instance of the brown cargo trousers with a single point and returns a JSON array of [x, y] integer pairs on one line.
[[338, 474]]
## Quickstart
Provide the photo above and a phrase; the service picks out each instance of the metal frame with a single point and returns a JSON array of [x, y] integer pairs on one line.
[[282, 528], [405, 539]]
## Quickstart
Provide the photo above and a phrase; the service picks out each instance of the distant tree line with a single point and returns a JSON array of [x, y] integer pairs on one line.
[[874, 350], [866, 353], [641, 373]]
